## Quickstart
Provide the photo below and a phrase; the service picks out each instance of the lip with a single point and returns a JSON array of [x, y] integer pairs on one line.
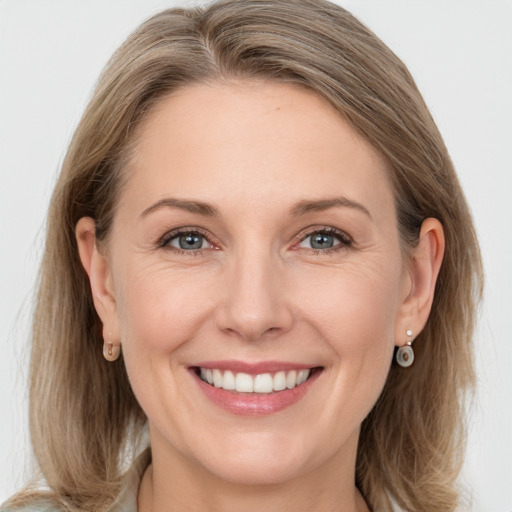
[[254, 404], [253, 368]]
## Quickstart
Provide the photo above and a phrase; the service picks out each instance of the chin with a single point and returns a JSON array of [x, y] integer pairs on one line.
[[260, 458], [269, 471]]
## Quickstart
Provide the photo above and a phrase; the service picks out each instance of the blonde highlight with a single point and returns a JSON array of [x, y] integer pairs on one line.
[[84, 419]]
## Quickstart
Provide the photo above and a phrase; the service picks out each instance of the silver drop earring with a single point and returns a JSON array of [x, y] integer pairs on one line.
[[405, 354]]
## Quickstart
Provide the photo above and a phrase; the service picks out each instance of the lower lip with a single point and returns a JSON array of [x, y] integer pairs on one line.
[[255, 404]]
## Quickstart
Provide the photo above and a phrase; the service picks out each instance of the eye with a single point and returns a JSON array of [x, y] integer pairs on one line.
[[187, 241], [324, 240]]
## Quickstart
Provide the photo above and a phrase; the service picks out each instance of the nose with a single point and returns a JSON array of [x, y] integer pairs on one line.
[[254, 303]]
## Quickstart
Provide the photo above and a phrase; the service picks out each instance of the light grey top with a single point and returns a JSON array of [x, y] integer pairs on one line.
[[127, 499]]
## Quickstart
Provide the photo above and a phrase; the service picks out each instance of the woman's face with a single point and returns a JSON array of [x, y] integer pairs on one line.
[[255, 239]]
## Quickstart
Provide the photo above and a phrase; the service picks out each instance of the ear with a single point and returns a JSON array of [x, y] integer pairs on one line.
[[422, 272], [98, 269]]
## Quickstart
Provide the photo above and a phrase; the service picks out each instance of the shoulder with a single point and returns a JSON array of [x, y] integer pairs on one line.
[[32, 508], [31, 502], [125, 502]]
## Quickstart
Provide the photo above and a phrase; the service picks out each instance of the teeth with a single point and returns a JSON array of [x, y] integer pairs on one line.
[[262, 383], [207, 375], [217, 378], [302, 376], [244, 383], [229, 382], [279, 381], [291, 379]]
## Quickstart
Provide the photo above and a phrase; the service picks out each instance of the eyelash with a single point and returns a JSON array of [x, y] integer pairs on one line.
[[175, 233], [344, 240]]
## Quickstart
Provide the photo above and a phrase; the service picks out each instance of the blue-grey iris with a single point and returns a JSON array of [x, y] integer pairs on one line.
[[321, 241], [190, 241]]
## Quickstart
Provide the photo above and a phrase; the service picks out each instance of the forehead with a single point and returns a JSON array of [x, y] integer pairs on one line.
[[258, 138]]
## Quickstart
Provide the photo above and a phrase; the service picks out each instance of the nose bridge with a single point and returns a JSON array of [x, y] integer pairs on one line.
[[255, 302]]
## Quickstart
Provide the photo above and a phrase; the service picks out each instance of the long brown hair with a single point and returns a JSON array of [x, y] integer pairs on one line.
[[85, 421]]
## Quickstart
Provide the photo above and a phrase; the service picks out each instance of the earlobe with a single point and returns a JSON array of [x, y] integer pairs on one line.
[[97, 268], [424, 267]]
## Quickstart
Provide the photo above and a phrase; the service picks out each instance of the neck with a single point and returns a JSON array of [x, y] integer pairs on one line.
[[173, 484]]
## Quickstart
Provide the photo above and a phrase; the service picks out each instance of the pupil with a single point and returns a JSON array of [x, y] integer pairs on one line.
[[190, 241], [322, 241]]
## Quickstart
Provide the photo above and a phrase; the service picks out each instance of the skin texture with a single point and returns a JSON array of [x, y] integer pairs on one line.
[[256, 291]]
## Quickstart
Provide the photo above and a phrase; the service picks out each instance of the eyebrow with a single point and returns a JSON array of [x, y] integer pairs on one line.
[[198, 207], [299, 208], [303, 207]]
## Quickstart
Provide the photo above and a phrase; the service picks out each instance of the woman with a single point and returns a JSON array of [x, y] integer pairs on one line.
[[249, 226]]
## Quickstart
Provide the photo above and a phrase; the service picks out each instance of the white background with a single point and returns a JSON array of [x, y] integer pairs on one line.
[[460, 53]]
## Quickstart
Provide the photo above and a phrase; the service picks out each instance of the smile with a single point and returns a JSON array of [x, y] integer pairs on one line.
[[256, 389], [261, 383]]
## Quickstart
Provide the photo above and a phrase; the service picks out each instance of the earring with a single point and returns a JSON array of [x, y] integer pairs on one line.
[[110, 351], [405, 354]]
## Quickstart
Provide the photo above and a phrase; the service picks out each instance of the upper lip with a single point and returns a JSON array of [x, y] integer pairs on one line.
[[253, 367]]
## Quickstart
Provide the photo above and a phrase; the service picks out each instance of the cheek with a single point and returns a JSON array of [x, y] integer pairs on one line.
[[355, 308], [159, 313], [159, 309], [355, 317]]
